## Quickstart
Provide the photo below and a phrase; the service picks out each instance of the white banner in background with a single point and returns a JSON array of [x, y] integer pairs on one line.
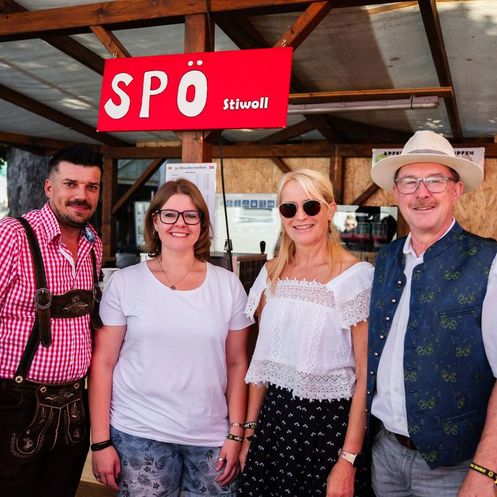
[[477, 155]]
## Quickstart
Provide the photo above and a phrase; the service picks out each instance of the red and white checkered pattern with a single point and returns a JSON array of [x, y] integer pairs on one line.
[[68, 357]]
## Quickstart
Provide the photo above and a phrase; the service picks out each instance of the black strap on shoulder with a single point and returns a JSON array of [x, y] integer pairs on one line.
[[43, 296]]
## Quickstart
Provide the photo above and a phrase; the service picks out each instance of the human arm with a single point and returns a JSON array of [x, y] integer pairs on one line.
[[256, 398], [106, 348], [476, 484], [236, 396], [341, 478]]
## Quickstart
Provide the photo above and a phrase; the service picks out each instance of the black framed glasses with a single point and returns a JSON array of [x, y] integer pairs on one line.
[[170, 216], [434, 184], [289, 209]]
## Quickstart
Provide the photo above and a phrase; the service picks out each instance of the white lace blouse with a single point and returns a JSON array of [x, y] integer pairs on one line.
[[305, 341]]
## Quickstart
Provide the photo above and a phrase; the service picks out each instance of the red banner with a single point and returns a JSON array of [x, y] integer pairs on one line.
[[208, 90]]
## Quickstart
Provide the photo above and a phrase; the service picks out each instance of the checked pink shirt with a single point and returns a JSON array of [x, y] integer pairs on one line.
[[68, 357]]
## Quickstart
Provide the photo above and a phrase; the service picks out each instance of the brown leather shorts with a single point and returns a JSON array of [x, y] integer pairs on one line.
[[58, 416]]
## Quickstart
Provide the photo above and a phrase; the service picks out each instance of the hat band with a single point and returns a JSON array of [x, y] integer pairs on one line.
[[427, 151]]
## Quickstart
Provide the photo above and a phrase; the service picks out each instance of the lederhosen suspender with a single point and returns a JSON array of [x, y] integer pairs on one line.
[[71, 304]]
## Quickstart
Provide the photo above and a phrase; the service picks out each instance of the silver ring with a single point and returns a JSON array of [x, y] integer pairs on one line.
[[221, 459]]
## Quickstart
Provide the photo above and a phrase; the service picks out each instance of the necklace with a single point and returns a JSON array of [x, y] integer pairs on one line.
[[174, 285]]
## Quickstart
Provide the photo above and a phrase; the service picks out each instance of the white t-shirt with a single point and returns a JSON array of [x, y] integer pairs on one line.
[[170, 380], [305, 337]]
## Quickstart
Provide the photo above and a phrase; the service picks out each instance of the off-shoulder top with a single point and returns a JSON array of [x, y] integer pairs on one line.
[[305, 336]]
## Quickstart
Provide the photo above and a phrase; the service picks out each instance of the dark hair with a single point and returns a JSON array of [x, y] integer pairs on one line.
[[79, 153], [164, 193]]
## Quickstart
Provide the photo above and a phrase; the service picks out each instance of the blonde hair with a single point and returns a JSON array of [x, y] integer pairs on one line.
[[319, 187]]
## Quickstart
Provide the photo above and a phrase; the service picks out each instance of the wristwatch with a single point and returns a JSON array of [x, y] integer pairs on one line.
[[348, 456]]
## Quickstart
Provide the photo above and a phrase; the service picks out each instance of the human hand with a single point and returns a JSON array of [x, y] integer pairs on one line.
[[244, 453], [340, 481], [106, 467], [228, 462], [476, 485]]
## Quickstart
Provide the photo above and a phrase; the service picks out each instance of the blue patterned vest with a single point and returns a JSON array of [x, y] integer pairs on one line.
[[447, 377]]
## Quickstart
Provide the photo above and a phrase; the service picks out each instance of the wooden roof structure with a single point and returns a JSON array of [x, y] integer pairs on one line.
[[52, 56]]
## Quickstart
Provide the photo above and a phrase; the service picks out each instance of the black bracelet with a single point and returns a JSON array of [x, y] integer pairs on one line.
[[484, 471], [100, 445], [236, 438]]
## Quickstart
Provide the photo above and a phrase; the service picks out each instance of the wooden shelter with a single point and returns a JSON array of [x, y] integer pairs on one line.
[[349, 53]]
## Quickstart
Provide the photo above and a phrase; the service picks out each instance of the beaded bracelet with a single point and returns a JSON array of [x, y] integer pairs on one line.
[[237, 425], [236, 438], [100, 445], [250, 424], [484, 471]]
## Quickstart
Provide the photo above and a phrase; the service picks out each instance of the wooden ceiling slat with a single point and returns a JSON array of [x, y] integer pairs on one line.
[[365, 195], [304, 25], [110, 42], [44, 146], [56, 116], [433, 28]]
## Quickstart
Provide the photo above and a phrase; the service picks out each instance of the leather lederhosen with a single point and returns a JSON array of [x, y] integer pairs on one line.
[[59, 413]]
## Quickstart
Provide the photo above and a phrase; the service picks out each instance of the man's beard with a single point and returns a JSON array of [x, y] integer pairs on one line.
[[71, 221]]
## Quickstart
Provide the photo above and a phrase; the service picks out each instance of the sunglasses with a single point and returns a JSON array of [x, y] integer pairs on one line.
[[289, 209]]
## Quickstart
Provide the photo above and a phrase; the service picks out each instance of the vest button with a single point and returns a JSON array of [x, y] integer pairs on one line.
[[394, 300], [382, 337], [371, 373], [387, 318], [368, 392], [376, 354], [399, 284]]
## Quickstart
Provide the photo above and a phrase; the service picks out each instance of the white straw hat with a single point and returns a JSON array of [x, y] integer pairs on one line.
[[427, 146]]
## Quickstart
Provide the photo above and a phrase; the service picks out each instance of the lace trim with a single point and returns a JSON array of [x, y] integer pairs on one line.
[[353, 311], [315, 340], [253, 302], [315, 292], [337, 385]]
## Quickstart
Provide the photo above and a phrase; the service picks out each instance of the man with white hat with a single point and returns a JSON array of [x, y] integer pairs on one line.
[[433, 335]]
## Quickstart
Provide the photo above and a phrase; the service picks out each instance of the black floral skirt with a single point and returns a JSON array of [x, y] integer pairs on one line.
[[295, 446]]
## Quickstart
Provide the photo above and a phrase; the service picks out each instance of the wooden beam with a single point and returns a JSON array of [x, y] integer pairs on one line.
[[288, 133], [312, 148], [56, 116], [43, 146], [110, 42], [337, 177], [140, 181], [199, 37], [65, 44], [433, 29], [304, 25], [281, 165], [372, 189], [109, 191], [368, 95], [77, 18]]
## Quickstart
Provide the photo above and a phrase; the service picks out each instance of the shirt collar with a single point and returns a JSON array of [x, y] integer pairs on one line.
[[52, 227], [408, 243]]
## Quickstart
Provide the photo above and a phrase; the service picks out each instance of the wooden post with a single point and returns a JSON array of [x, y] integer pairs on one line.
[[109, 193], [337, 165], [199, 37]]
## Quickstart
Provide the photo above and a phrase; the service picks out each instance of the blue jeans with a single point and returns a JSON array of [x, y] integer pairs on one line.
[[402, 472], [159, 469]]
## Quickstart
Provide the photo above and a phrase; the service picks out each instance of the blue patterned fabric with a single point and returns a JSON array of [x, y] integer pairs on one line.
[[447, 377]]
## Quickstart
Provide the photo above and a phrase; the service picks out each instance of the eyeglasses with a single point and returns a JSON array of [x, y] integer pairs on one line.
[[434, 184], [170, 216], [289, 209]]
